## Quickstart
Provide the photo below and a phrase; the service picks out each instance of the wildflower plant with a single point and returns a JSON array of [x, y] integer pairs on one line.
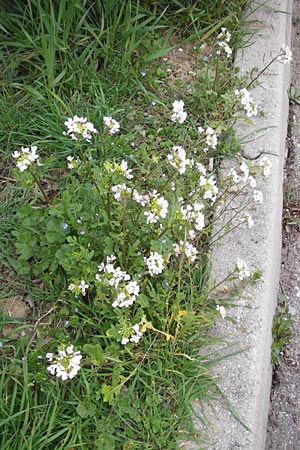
[[121, 245], [118, 238]]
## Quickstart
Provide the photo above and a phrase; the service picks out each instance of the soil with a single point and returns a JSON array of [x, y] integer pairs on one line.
[[283, 431]]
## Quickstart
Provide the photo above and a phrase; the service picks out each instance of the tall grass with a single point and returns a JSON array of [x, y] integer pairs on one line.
[[60, 58]]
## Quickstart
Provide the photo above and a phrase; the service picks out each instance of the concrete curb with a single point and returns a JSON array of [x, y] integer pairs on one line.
[[245, 378]]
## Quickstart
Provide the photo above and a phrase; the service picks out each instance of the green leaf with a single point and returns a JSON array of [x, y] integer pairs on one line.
[[105, 442], [86, 409], [95, 352], [109, 393]]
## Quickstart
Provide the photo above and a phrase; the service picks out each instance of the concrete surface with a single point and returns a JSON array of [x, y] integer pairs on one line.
[[283, 432], [245, 378]]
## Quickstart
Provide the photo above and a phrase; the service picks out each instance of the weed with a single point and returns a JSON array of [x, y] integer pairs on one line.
[[281, 331], [111, 185]]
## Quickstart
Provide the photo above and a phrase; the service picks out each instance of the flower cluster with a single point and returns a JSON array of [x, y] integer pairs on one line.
[[78, 288], [242, 269], [126, 289], [121, 191], [285, 54], [222, 40], [26, 157], [266, 165], [257, 196], [243, 181], [187, 248], [179, 115], [66, 364], [79, 127], [134, 337], [121, 169], [211, 138], [72, 162], [210, 188], [158, 206], [155, 263], [193, 214], [244, 178], [111, 124], [247, 102], [177, 158]]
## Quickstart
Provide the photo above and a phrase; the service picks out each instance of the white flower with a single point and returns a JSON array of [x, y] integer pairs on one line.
[[135, 337], [138, 334], [155, 263], [178, 106], [78, 288], [132, 288], [210, 188], [125, 170], [243, 270], [192, 234], [285, 54], [251, 181], [233, 175], [49, 356], [79, 126], [201, 169], [222, 40], [211, 138], [245, 170], [83, 286], [66, 364], [193, 214], [247, 102], [127, 289], [73, 163], [26, 157], [127, 294], [224, 35], [112, 125], [178, 159], [258, 197], [179, 114], [266, 165], [122, 169], [121, 191], [187, 248], [222, 311], [142, 199], [158, 207]]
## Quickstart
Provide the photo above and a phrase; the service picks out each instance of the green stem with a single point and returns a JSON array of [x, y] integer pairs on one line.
[[124, 253], [44, 195], [216, 76], [261, 72], [108, 209], [219, 283], [88, 168]]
